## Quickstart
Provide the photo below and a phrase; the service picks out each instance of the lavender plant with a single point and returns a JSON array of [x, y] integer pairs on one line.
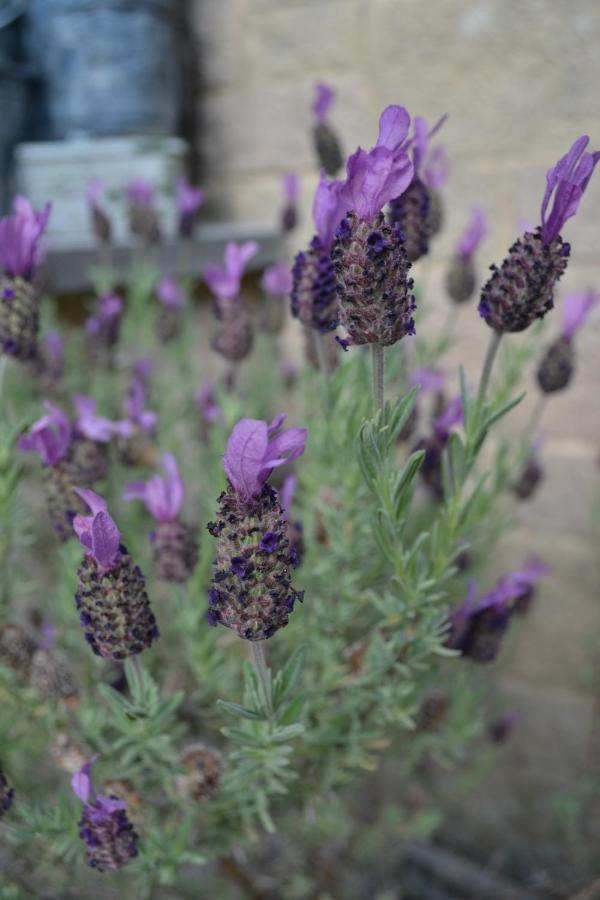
[[209, 737]]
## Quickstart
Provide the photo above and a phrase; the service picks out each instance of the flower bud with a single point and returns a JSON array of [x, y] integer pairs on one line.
[[556, 368], [410, 211], [327, 147], [461, 280], [52, 676]]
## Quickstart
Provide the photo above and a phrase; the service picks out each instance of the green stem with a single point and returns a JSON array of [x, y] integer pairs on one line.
[[257, 651], [378, 363], [488, 364], [319, 344]]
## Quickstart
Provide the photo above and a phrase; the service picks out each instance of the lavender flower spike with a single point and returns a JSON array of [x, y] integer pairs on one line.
[[20, 253], [233, 338], [251, 589], [101, 223], [435, 176], [209, 409], [291, 190], [277, 284], [325, 139], [313, 296], [557, 365], [522, 288], [411, 209], [111, 596], [143, 219], [462, 278], [189, 199], [110, 839], [49, 437], [370, 259], [174, 545], [479, 625], [172, 299], [225, 281]]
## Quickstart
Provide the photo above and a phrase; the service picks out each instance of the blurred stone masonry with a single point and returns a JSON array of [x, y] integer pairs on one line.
[[518, 80]]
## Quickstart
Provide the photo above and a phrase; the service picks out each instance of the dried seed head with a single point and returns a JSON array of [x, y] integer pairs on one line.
[[373, 284], [114, 608], [175, 551], [19, 318], [52, 676], [556, 368], [521, 290], [124, 789], [252, 589], [66, 754], [16, 648], [203, 766], [410, 211]]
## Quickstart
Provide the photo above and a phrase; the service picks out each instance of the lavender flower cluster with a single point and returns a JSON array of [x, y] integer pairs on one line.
[[371, 227]]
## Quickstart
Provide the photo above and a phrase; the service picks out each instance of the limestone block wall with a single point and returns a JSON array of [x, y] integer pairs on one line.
[[519, 80]]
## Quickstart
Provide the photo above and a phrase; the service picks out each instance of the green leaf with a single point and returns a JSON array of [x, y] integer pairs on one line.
[[237, 710]]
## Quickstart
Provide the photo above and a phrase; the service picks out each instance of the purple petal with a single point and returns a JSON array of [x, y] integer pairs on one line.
[[285, 447], [135, 490], [329, 207], [565, 186], [576, 308], [287, 493], [473, 235], [394, 123], [170, 294], [452, 415], [428, 379], [374, 179], [105, 539], [324, 95], [436, 168], [277, 280], [140, 192], [244, 455], [81, 782], [276, 424], [189, 199], [291, 187]]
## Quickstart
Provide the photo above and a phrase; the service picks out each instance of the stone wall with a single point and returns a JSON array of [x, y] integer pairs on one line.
[[519, 79]]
